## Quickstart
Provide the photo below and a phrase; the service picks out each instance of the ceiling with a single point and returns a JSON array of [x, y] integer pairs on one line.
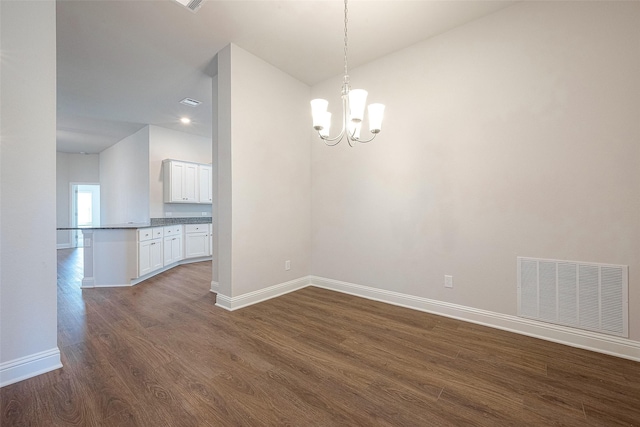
[[125, 64]]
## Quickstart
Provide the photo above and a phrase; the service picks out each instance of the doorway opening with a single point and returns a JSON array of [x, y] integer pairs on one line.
[[85, 209]]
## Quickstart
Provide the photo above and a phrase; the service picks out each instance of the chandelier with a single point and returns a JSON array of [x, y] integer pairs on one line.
[[353, 103]]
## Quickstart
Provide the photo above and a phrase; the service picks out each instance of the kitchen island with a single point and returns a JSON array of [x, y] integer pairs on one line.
[[127, 254]]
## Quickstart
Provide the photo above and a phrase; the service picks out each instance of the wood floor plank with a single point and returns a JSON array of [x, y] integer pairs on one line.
[[64, 404], [162, 354], [100, 387], [19, 407]]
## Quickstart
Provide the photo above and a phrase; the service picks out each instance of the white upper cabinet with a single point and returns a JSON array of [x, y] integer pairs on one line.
[[180, 181], [206, 195], [186, 182], [190, 184]]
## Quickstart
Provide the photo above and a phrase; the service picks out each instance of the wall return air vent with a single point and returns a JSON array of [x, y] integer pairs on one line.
[[582, 295], [192, 5]]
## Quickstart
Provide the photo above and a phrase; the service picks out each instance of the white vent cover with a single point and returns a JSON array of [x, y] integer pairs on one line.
[[578, 294], [190, 102], [192, 5]]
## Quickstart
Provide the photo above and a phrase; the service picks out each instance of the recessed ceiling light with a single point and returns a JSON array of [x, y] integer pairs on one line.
[[185, 120], [190, 102]]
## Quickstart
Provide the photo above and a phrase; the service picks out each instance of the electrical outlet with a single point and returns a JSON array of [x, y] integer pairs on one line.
[[448, 281], [204, 214], [287, 265]]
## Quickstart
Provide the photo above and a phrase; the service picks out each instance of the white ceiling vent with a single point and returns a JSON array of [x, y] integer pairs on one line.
[[192, 5], [190, 102]]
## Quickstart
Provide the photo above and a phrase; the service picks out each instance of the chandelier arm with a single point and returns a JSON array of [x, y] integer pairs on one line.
[[351, 138], [344, 131], [368, 140], [338, 138], [327, 141]]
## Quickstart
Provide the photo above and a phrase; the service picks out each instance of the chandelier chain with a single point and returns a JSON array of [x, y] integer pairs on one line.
[[346, 20]]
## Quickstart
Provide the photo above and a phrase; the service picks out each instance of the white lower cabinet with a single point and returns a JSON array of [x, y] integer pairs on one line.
[[149, 250], [196, 240], [166, 246], [172, 246], [144, 258]]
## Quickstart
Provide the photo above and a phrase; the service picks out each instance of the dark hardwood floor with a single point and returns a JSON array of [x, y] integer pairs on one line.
[[161, 354]]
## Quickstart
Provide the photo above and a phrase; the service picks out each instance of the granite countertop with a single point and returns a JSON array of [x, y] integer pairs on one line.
[[154, 222], [131, 225], [158, 222]]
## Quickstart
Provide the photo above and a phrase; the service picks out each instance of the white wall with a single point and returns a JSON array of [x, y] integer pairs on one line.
[[72, 168], [28, 340], [263, 145], [222, 200], [171, 144], [214, 175], [124, 180], [515, 135]]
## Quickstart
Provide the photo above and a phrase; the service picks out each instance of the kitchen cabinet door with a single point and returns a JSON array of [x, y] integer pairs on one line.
[[196, 244], [211, 239], [180, 180], [149, 256], [172, 249], [190, 186], [156, 254], [206, 194], [144, 258]]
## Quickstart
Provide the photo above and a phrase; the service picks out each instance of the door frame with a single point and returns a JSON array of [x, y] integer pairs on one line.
[[73, 222]]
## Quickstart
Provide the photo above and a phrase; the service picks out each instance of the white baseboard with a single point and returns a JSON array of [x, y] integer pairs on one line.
[[63, 246], [615, 346], [215, 287], [114, 285], [192, 260], [235, 303], [158, 271], [29, 366], [88, 283]]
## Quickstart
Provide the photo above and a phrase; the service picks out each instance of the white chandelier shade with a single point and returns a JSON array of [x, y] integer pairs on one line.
[[357, 102], [376, 114], [322, 118]]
